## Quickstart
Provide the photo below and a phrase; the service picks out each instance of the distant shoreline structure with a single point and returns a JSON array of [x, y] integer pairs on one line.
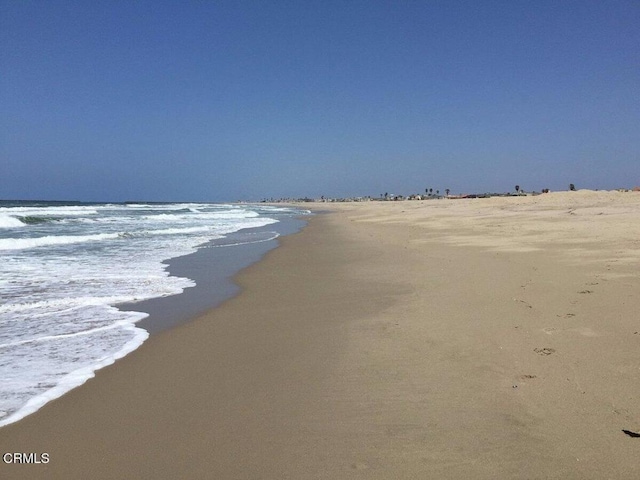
[[390, 197]]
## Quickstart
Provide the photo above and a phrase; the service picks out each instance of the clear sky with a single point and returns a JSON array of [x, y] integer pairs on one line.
[[228, 100]]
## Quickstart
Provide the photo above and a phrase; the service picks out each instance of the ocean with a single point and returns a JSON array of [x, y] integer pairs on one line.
[[65, 267]]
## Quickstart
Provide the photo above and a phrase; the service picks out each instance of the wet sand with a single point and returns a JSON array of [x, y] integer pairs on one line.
[[485, 338]]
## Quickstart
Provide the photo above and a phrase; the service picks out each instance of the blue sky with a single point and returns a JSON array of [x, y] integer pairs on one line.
[[229, 100]]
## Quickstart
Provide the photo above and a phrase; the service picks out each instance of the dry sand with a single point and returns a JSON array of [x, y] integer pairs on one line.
[[484, 338]]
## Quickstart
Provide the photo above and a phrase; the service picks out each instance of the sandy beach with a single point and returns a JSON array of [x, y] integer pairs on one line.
[[477, 338]]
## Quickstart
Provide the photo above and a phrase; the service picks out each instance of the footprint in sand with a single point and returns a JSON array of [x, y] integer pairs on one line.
[[528, 305], [544, 351], [523, 379]]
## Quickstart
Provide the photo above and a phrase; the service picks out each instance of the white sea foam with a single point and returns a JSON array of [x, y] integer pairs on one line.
[[49, 211], [167, 206], [268, 238], [7, 221], [23, 243], [13, 379], [26, 243]]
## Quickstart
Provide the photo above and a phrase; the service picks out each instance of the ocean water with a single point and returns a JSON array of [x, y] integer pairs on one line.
[[64, 268]]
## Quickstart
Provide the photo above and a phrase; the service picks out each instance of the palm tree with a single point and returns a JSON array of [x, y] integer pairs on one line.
[[447, 191]]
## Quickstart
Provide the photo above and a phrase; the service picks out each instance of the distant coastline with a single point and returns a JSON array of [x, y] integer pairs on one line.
[[429, 195]]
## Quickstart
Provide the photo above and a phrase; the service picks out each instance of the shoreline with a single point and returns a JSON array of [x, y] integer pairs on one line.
[[209, 268], [383, 341], [212, 287]]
